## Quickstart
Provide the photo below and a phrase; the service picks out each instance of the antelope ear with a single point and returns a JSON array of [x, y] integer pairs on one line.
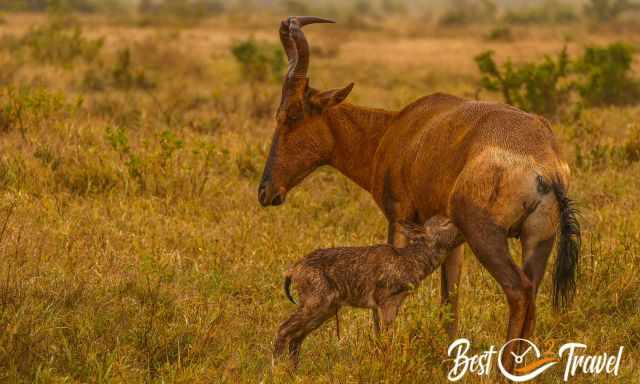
[[330, 98]]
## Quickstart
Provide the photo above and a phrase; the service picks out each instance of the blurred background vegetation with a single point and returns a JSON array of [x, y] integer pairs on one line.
[[449, 12]]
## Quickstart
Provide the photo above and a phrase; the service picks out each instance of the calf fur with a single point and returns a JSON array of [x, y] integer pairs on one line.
[[378, 277]]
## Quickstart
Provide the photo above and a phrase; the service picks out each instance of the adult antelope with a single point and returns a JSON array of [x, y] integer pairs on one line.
[[496, 171]]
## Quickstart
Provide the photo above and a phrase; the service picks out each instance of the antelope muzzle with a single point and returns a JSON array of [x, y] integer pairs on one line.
[[268, 195]]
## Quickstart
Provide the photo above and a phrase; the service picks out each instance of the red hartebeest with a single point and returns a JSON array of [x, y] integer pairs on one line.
[[496, 171]]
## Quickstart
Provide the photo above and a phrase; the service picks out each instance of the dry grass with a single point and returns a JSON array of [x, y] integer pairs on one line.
[[133, 247]]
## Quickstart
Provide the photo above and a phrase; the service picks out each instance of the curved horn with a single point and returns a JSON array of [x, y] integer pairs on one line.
[[288, 44], [295, 43], [304, 20]]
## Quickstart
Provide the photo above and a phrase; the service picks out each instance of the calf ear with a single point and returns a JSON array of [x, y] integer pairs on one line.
[[411, 230], [328, 99]]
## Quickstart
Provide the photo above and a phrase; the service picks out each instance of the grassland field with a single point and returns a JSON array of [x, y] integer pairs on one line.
[[133, 247]]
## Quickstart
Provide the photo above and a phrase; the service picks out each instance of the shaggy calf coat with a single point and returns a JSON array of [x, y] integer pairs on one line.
[[378, 277]]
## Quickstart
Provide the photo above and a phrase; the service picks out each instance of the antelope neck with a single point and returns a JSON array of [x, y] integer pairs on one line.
[[357, 132]]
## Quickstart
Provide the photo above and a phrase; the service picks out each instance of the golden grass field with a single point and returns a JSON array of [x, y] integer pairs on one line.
[[133, 247]]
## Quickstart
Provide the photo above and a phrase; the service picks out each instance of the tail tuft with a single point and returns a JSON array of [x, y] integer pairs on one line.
[[287, 286], [564, 279]]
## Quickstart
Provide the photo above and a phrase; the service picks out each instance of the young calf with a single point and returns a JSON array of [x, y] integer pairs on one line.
[[378, 277]]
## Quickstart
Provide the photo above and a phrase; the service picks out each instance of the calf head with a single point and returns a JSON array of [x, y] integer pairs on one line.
[[438, 231]]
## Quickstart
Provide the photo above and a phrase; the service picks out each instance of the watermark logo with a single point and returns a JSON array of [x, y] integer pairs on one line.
[[531, 362], [531, 370]]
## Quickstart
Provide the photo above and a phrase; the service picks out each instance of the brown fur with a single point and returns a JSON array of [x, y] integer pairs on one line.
[[377, 277], [487, 166]]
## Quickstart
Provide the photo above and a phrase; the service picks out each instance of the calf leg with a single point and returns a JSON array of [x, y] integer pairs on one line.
[[388, 310], [450, 273], [314, 320], [295, 321], [375, 317], [303, 321]]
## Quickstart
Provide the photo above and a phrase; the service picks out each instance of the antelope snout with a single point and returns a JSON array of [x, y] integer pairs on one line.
[[267, 195]]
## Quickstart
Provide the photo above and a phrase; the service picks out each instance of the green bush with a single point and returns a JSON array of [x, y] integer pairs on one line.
[[122, 74], [500, 33], [27, 108], [59, 42], [609, 154], [534, 87], [150, 165], [259, 61], [125, 76], [601, 76], [605, 75], [469, 11]]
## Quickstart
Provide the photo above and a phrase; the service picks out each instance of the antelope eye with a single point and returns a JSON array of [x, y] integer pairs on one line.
[[294, 118]]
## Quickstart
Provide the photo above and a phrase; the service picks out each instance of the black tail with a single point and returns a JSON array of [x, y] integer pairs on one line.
[[564, 279], [287, 286]]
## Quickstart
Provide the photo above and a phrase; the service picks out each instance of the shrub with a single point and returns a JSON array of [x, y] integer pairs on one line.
[[125, 76], [259, 61], [169, 144], [31, 107], [151, 163], [607, 155], [122, 75], [601, 76], [500, 33], [119, 141], [606, 75], [534, 87], [59, 42], [469, 11]]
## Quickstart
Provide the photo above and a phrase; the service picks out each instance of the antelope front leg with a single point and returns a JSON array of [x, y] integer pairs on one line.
[[396, 237]]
